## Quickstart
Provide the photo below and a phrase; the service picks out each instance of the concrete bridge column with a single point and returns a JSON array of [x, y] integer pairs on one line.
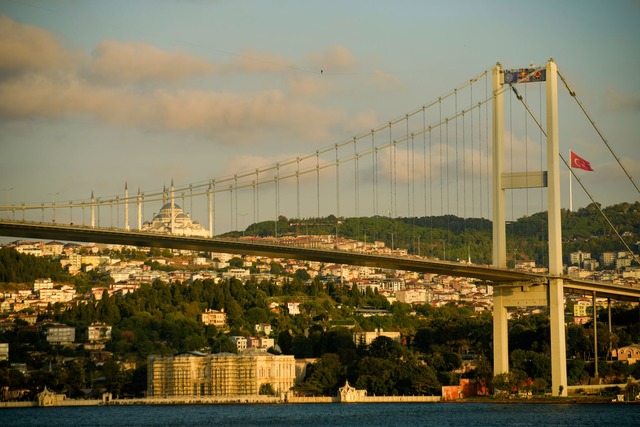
[[556, 295], [500, 333], [558, 341]]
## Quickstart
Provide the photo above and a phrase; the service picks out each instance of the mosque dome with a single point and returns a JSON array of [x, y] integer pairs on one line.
[[182, 223]]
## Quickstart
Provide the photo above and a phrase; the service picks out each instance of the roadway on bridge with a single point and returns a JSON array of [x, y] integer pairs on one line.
[[498, 276]]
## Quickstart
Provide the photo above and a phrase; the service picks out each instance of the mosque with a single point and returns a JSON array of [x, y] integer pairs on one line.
[[182, 225]]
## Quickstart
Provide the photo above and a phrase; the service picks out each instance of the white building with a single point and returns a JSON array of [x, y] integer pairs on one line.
[[40, 284], [413, 296], [99, 332], [366, 338], [61, 334], [240, 342], [263, 328], [293, 308]]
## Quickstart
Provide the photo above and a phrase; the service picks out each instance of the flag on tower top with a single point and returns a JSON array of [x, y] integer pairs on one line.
[[578, 162]]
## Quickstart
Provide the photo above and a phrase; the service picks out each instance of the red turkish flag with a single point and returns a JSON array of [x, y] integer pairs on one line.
[[578, 162]]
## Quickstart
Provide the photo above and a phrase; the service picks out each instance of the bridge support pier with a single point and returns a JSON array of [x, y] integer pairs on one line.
[[522, 295], [558, 341], [500, 333]]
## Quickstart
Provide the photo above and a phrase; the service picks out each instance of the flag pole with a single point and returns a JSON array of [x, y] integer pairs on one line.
[[570, 190]]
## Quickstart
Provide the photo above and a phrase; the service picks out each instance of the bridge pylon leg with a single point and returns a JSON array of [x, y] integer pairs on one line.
[[558, 340], [500, 333]]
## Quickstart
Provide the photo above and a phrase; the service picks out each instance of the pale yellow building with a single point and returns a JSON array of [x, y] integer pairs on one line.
[[222, 374], [214, 317]]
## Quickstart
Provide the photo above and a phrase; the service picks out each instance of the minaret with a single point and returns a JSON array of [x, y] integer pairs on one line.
[[210, 211], [172, 207], [93, 211], [126, 207], [139, 201], [164, 194]]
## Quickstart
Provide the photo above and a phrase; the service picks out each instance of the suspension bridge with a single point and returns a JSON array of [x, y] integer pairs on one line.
[[448, 157]]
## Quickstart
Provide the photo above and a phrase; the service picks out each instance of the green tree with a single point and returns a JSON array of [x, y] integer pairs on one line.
[[285, 342], [324, 377], [386, 348], [266, 389]]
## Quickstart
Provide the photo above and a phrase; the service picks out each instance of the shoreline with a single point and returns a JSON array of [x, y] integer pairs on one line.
[[276, 400]]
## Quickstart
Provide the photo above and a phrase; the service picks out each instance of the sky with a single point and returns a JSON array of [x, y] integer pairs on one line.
[[97, 94]]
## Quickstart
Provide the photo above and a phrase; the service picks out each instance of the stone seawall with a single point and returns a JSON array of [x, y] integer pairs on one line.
[[232, 400], [400, 399], [198, 400], [314, 399], [18, 404], [365, 399]]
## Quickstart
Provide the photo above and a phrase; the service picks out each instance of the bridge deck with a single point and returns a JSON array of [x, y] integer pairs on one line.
[[409, 263]]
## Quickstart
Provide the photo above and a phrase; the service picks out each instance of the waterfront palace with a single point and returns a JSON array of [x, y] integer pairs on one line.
[[222, 374]]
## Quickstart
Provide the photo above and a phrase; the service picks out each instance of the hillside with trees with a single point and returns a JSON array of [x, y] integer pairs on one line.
[[162, 318], [457, 238], [439, 345]]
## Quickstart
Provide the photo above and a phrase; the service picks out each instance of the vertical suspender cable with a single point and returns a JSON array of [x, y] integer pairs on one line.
[[257, 196], [541, 143], [446, 136], [213, 207], [526, 154], [511, 151], [357, 188], [457, 180], [440, 168], [473, 200], [277, 198], [318, 183], [407, 168], [413, 191], [464, 181], [253, 200], [424, 160], [231, 206], [390, 173], [486, 138], [337, 183], [394, 206], [430, 191], [480, 194], [298, 187], [375, 181], [375, 173]]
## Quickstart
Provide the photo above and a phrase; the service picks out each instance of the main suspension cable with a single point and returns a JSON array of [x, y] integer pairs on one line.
[[573, 94], [535, 119]]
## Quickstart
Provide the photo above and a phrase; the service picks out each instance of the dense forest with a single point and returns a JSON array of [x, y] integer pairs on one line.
[[18, 268]]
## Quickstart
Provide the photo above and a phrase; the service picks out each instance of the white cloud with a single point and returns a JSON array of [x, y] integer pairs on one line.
[[134, 62]]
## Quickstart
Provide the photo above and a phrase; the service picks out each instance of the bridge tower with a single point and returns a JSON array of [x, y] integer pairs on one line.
[[522, 295]]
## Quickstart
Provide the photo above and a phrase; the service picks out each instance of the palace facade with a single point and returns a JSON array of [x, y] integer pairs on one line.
[[222, 374]]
